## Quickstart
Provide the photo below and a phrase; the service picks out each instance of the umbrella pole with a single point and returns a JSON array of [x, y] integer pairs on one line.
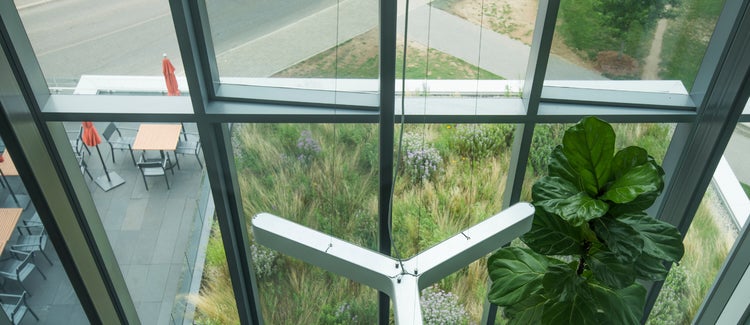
[[103, 164], [113, 180]]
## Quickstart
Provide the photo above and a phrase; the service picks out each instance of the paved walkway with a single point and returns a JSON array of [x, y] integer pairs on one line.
[[499, 53]]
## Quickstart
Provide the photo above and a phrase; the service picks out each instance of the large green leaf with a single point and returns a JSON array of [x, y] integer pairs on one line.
[[636, 181], [570, 299], [560, 167], [589, 146], [553, 189], [640, 203], [622, 306], [551, 235], [660, 239], [527, 311], [628, 158], [610, 270], [580, 208], [619, 237], [516, 274], [648, 267]]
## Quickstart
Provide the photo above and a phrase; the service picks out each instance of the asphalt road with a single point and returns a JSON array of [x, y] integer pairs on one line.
[[75, 37]]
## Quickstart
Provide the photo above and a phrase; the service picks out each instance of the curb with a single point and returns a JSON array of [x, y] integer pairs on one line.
[[743, 128], [33, 4]]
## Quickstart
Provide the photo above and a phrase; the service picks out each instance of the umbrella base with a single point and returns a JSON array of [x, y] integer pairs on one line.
[[23, 201], [108, 184]]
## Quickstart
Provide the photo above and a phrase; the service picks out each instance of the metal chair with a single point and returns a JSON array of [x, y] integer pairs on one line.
[[116, 140], [15, 306], [31, 244], [149, 168], [18, 270], [190, 146]]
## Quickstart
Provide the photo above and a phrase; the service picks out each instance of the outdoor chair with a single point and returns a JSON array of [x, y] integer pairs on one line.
[[34, 221], [15, 306], [151, 167], [31, 244], [190, 146], [18, 269], [76, 141], [116, 140]]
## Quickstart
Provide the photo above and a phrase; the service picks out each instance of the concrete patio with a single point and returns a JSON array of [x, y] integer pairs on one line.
[[155, 236]]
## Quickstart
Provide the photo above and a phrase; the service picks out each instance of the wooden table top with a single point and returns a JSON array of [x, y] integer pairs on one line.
[[8, 220], [157, 137], [8, 167]]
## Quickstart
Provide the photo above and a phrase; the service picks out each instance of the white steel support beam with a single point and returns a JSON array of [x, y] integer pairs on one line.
[[400, 280]]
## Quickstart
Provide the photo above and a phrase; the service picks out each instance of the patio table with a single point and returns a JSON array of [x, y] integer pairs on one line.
[[160, 137], [8, 168], [8, 220]]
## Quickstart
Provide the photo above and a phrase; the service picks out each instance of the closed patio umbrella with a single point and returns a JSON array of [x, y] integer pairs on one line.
[[168, 70], [91, 138], [172, 89]]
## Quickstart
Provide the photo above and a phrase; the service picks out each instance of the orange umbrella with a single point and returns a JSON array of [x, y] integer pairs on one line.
[[168, 70]]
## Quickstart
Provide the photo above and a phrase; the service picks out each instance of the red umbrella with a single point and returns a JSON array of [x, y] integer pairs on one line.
[[168, 70], [91, 138]]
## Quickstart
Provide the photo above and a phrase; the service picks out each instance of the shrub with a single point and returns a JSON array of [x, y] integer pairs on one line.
[[421, 160], [671, 307], [421, 164], [475, 141], [307, 147], [440, 307], [546, 137], [264, 260], [350, 313]]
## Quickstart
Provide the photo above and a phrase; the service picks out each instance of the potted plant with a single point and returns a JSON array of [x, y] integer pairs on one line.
[[591, 240]]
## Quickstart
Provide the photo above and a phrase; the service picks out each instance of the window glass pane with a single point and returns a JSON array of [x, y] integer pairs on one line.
[[79, 43], [723, 211], [707, 244], [153, 207], [450, 177], [633, 40], [45, 289], [215, 303], [472, 46], [326, 42], [325, 177]]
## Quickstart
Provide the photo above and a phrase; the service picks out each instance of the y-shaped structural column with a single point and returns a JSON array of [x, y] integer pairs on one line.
[[383, 272]]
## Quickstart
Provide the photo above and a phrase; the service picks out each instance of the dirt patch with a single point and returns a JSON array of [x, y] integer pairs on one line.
[[360, 51], [513, 18], [616, 65]]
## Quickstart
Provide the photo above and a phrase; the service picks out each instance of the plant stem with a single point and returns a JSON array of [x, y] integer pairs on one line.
[[582, 260]]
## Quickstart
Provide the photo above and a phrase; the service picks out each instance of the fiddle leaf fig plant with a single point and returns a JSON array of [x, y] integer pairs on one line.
[[591, 239]]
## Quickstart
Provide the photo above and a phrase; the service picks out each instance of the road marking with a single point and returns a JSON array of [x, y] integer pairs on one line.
[[98, 37]]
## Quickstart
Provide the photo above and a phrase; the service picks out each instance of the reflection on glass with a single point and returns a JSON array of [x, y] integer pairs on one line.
[[322, 39], [323, 176], [650, 40], [80, 42], [156, 218], [450, 177], [31, 272]]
